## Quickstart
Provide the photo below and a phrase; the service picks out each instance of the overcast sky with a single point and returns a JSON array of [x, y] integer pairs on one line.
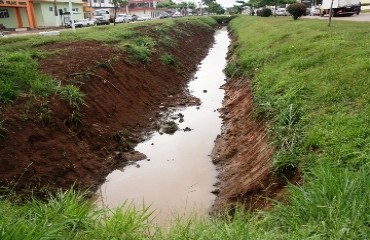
[[226, 3]]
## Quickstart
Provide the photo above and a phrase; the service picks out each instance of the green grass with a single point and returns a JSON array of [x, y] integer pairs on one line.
[[317, 72], [168, 60], [69, 216], [311, 87]]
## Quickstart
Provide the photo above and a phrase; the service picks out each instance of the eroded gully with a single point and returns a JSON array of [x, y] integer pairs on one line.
[[178, 176]]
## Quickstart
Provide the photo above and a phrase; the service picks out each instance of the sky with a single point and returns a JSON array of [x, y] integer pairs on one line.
[[226, 3]]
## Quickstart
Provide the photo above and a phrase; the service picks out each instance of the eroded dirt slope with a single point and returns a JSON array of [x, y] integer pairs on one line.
[[242, 153], [46, 148]]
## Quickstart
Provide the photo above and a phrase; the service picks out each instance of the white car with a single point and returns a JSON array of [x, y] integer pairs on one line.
[[176, 15], [144, 18], [123, 18], [81, 23], [282, 12], [84, 23], [315, 11]]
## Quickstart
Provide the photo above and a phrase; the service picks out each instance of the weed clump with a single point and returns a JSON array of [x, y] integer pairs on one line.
[[168, 60]]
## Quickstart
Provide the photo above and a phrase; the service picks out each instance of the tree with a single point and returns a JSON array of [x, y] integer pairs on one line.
[[167, 5], [124, 4], [116, 3], [192, 6], [207, 2], [261, 3], [215, 7]]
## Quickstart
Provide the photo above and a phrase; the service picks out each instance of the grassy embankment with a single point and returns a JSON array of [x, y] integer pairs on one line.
[[311, 86], [19, 75]]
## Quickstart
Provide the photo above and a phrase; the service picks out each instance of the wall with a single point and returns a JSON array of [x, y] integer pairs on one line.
[[24, 17], [47, 18], [10, 22]]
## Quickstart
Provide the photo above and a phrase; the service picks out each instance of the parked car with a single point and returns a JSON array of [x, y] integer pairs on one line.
[[282, 12], [144, 18], [123, 18], [82, 23], [134, 17], [315, 11], [164, 15], [176, 15]]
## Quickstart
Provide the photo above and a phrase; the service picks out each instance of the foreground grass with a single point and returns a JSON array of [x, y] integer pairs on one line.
[[311, 86]]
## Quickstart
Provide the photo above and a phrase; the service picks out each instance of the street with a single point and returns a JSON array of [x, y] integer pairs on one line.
[[362, 17]]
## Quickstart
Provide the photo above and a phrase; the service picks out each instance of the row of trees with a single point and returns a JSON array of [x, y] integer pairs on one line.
[[241, 5], [210, 6], [294, 8]]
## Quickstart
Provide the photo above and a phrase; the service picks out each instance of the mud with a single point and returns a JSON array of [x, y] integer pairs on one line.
[[243, 153], [43, 150]]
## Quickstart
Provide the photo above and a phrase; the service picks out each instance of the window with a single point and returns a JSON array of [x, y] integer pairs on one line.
[[50, 9], [4, 13]]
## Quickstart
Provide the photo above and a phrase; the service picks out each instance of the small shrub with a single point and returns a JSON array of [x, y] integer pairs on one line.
[[168, 60], [297, 10], [138, 53], [73, 96], [8, 91], [266, 12], [232, 69]]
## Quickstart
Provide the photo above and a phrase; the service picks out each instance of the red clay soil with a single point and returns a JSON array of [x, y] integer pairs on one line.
[[45, 149], [242, 153]]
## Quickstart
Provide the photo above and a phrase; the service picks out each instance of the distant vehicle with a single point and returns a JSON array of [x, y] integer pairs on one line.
[[144, 18], [134, 17], [341, 7], [103, 16], [81, 23], [176, 15], [315, 11], [282, 12], [123, 18], [164, 15]]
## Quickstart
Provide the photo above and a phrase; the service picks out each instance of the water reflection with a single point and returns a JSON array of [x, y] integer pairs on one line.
[[178, 176]]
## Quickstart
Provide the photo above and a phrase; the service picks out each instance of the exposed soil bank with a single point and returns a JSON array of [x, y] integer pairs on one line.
[[42, 149], [242, 152]]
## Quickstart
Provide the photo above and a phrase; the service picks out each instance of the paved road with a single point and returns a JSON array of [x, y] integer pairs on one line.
[[362, 17]]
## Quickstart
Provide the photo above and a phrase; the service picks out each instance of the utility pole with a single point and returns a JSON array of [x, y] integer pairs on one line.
[[331, 12], [71, 14]]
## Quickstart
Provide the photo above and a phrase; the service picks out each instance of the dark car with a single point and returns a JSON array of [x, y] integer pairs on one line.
[[357, 9], [134, 17], [164, 15]]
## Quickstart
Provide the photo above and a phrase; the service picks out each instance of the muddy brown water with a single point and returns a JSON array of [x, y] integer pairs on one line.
[[178, 177]]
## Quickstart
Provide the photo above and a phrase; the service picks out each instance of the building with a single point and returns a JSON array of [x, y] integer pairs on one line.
[[38, 13], [55, 13], [137, 7], [144, 7]]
